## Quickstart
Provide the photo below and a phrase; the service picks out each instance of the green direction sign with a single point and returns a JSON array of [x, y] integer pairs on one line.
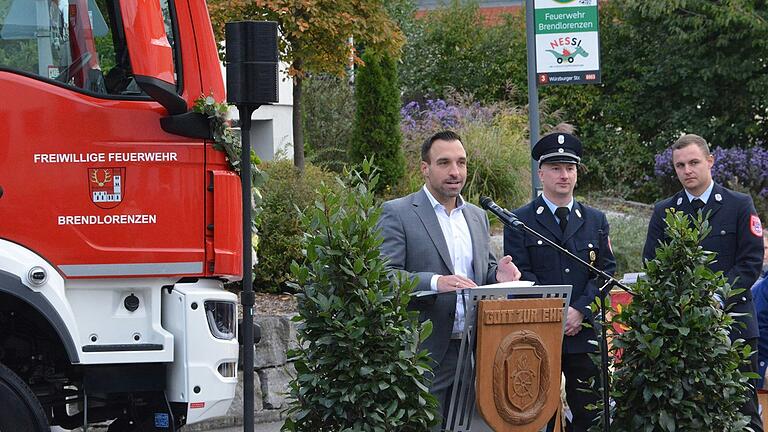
[[567, 41], [570, 19]]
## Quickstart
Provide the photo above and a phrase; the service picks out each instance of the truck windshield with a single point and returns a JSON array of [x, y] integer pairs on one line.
[[79, 43]]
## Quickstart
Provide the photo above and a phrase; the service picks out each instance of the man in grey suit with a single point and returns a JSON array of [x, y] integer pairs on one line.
[[434, 236]]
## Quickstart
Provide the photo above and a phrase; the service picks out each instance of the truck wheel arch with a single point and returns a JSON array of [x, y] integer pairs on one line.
[[11, 284]]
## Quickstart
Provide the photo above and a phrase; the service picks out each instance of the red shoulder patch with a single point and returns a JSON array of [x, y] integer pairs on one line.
[[755, 227]]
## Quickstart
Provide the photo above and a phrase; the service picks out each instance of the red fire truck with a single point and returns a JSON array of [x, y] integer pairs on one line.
[[119, 222]]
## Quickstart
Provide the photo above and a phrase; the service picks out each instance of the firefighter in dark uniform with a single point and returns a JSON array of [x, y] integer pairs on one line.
[[583, 231], [736, 238]]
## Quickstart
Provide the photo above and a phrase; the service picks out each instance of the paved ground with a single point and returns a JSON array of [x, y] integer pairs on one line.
[[259, 427]]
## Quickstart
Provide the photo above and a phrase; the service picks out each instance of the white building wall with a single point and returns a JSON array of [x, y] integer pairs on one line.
[[272, 125]]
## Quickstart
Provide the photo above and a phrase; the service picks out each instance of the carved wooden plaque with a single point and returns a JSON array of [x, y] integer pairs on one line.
[[518, 362]]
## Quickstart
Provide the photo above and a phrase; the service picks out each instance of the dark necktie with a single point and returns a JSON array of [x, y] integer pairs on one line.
[[697, 204], [562, 214]]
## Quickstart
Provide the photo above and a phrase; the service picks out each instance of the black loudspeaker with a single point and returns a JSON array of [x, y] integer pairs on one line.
[[252, 62]]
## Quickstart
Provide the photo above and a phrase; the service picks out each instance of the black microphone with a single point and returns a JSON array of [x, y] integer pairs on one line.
[[502, 213]]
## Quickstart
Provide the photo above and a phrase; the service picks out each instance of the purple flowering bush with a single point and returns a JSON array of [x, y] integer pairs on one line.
[[495, 137], [745, 170]]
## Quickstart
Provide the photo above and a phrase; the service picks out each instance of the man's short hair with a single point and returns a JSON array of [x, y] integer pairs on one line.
[[445, 135], [688, 139], [564, 127]]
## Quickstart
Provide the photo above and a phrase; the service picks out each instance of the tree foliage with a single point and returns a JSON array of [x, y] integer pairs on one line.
[[357, 365], [452, 48], [376, 133], [329, 103], [679, 371], [688, 65], [316, 36], [667, 67]]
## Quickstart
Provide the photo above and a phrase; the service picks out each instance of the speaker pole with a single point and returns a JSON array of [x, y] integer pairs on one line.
[[252, 81], [247, 297]]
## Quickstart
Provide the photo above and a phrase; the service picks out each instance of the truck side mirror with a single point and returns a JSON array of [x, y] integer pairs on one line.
[[150, 52]]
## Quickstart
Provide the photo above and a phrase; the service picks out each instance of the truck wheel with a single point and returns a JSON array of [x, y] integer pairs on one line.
[[22, 411]]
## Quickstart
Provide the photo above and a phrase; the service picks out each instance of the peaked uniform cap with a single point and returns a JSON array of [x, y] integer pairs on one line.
[[557, 147]]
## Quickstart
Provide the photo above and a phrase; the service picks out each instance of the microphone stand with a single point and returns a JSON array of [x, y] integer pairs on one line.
[[513, 222]]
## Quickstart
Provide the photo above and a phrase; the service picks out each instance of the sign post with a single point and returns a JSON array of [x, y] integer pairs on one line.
[[567, 42], [533, 94], [563, 48]]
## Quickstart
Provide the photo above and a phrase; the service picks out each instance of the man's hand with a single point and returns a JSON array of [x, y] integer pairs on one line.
[[453, 283], [573, 322], [507, 270]]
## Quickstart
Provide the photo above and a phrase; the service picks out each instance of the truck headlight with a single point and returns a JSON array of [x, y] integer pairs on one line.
[[221, 319]]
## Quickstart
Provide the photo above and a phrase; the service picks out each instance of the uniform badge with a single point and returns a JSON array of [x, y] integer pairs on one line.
[[578, 213], [679, 201], [106, 186], [560, 139], [718, 197], [755, 227], [592, 256], [540, 210]]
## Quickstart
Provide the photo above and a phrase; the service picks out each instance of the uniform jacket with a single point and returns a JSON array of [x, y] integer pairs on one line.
[[415, 245], [586, 236], [739, 251], [760, 297]]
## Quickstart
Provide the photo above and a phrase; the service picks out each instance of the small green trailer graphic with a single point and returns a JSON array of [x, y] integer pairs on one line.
[[568, 55]]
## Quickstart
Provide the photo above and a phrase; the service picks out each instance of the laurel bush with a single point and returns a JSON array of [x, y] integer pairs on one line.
[[358, 367], [679, 371]]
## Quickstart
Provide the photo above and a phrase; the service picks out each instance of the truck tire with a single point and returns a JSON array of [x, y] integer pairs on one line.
[[21, 411]]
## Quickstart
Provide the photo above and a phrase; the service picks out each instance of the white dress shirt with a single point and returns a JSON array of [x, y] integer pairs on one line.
[[704, 197], [459, 241]]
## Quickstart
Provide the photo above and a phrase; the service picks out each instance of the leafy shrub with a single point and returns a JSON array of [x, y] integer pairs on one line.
[[285, 191], [745, 170], [495, 138], [498, 160], [376, 133], [627, 240], [617, 163], [679, 369], [327, 105], [358, 368]]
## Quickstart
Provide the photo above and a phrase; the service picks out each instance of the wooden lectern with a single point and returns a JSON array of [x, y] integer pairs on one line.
[[508, 372]]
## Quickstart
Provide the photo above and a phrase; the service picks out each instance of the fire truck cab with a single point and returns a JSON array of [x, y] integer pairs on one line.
[[119, 221]]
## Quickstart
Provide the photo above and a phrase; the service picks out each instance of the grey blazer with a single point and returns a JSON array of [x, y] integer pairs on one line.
[[416, 247]]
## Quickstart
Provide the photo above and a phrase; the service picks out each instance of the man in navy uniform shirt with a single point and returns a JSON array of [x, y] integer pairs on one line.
[[583, 231], [736, 238]]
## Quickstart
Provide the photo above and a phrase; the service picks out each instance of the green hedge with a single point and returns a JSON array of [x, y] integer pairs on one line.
[[279, 228], [358, 366]]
